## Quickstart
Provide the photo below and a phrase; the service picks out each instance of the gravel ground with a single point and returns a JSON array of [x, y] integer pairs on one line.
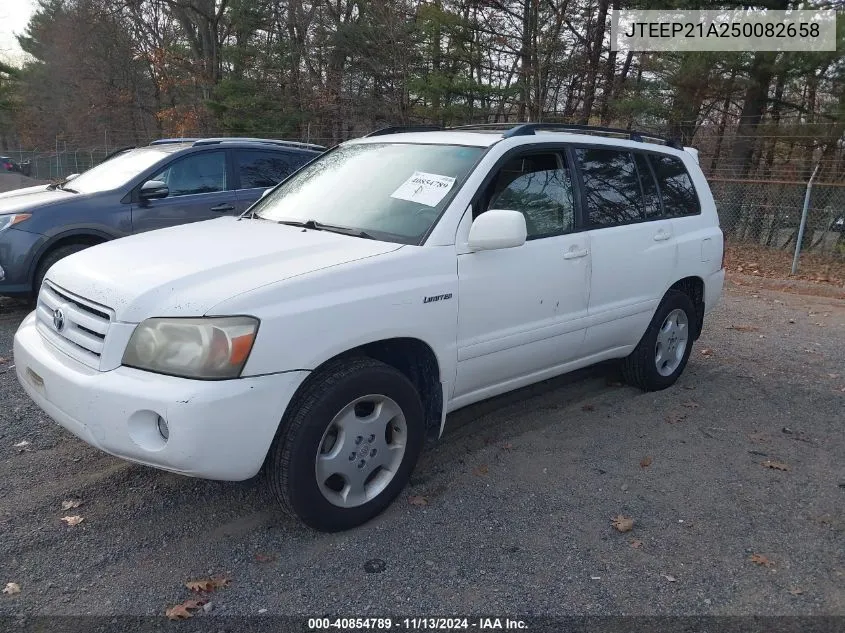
[[520, 495]]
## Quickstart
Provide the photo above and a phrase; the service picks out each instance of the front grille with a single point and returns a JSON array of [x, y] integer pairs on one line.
[[76, 326]]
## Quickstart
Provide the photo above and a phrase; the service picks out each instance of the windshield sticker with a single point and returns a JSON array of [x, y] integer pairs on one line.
[[427, 189]]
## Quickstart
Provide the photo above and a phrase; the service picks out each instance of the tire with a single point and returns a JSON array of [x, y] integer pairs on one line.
[[643, 368], [317, 452], [51, 258]]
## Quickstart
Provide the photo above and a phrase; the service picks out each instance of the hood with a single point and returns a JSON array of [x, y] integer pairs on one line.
[[188, 269], [30, 197]]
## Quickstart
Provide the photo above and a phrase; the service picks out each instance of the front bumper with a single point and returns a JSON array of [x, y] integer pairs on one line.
[[217, 429]]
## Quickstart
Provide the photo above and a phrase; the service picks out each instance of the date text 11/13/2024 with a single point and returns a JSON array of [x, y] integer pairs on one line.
[[441, 624]]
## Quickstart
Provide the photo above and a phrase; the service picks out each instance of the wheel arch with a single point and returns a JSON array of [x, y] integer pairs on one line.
[[76, 236], [414, 358], [693, 287]]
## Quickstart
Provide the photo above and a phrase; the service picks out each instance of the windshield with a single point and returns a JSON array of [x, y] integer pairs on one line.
[[116, 171], [391, 191]]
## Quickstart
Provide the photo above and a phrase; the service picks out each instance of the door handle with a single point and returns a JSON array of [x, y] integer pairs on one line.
[[220, 208], [575, 254], [662, 236]]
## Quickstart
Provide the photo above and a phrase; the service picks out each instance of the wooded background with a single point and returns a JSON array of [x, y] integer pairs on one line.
[[103, 74]]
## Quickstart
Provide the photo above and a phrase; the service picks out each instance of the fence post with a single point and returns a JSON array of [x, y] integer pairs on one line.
[[804, 214]]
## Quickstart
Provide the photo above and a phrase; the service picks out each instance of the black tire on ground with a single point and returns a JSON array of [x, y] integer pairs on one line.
[[639, 369], [51, 258], [290, 465]]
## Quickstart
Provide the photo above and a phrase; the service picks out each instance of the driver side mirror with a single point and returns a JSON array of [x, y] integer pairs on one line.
[[153, 190], [497, 229]]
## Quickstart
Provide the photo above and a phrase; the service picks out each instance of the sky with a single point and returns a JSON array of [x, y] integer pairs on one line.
[[14, 16]]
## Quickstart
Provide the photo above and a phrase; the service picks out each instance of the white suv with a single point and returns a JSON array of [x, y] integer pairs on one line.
[[327, 332]]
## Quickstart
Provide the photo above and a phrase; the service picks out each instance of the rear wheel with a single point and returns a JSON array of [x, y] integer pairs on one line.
[[662, 354], [348, 445]]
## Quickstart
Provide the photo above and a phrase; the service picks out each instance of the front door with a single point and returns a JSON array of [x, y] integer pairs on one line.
[[522, 310], [199, 190]]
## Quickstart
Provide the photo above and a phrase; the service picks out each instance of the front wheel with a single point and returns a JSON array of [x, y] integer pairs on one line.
[[662, 353], [348, 445]]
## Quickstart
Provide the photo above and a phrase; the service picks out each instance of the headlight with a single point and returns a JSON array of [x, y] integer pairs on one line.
[[211, 348], [10, 219]]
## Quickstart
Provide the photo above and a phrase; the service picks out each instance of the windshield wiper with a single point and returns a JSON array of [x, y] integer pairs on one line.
[[331, 228], [61, 187]]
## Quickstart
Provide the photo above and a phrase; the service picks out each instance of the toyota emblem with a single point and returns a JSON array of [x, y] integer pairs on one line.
[[58, 319]]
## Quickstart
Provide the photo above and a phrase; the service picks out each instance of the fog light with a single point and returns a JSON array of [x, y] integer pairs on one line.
[[163, 429]]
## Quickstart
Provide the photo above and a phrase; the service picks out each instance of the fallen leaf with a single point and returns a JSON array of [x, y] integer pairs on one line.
[[3, 360], [588, 407], [760, 560], [645, 462], [21, 444], [775, 465], [622, 523], [481, 470], [689, 404], [742, 328], [674, 418], [264, 558], [74, 520], [207, 584], [507, 446], [418, 500], [690, 387], [706, 352], [183, 611], [70, 504], [834, 375], [669, 578], [636, 543], [614, 383], [796, 591], [758, 437], [12, 588]]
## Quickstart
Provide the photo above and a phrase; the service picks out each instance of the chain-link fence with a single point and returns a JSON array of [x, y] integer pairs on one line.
[[52, 165], [768, 213], [764, 212]]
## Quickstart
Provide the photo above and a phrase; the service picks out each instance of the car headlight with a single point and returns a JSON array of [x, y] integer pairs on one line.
[[205, 348], [10, 219]]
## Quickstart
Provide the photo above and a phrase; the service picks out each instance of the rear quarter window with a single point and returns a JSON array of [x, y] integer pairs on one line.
[[676, 189]]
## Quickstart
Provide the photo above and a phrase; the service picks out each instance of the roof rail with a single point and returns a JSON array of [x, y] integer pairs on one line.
[[168, 141], [398, 129], [269, 141], [528, 129]]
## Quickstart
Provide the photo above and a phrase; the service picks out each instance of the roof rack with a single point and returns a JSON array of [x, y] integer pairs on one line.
[[528, 129], [398, 129], [168, 141], [269, 141]]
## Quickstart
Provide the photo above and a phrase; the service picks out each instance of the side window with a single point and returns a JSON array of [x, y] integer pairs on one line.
[[264, 169], [203, 172], [651, 197], [676, 188], [540, 187], [611, 187]]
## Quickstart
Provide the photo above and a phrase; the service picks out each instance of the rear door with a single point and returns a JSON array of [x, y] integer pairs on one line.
[[200, 189], [633, 246], [259, 169]]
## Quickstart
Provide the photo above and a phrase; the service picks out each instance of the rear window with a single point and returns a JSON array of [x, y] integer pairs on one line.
[[676, 188], [611, 187], [259, 169]]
